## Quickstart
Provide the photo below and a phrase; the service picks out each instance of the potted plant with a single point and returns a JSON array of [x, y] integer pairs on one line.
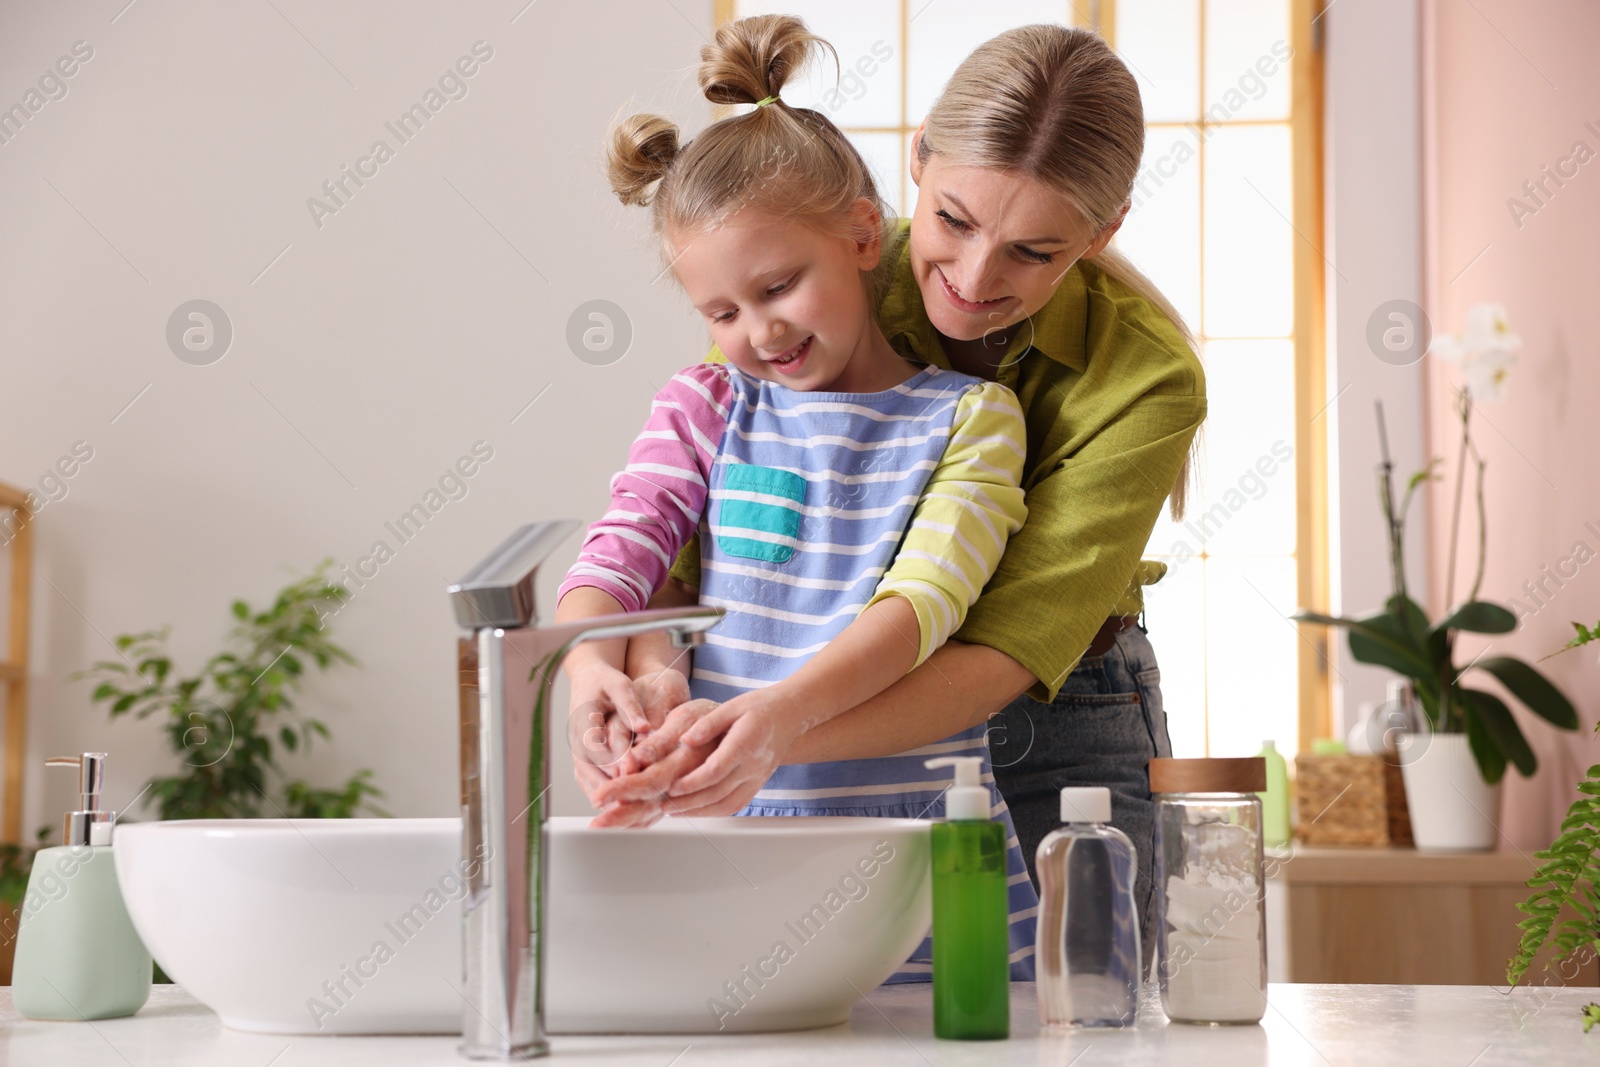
[[16, 861], [1454, 760], [1567, 881], [226, 721]]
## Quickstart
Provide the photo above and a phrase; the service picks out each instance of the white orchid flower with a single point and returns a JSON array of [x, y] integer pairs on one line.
[[1485, 373], [1484, 350]]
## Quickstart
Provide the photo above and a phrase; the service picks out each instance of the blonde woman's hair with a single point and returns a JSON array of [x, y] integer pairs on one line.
[[1058, 105], [788, 162]]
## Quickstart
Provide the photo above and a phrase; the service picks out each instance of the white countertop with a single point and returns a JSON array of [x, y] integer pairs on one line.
[[1465, 1026]]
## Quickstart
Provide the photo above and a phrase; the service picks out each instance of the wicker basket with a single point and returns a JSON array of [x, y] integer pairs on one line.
[[1350, 800]]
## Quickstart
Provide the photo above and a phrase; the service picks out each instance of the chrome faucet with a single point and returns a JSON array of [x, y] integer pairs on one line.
[[508, 665]]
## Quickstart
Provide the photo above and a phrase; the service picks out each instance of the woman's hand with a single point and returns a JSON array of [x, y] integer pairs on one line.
[[654, 761], [652, 801], [749, 733], [745, 758]]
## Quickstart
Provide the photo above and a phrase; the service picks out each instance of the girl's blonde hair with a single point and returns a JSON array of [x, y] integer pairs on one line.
[[789, 162], [1056, 104]]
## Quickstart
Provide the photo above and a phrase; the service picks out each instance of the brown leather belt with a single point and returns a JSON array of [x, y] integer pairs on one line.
[[1108, 634]]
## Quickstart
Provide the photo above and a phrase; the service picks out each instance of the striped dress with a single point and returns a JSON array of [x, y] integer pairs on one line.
[[810, 507]]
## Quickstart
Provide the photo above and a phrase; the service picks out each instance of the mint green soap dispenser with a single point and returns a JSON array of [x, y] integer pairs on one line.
[[971, 914], [78, 955]]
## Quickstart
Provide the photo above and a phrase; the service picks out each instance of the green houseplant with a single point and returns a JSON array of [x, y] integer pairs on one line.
[[231, 721], [1567, 879], [1404, 639], [16, 862]]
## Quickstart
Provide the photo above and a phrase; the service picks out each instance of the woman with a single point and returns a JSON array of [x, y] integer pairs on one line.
[[1024, 168]]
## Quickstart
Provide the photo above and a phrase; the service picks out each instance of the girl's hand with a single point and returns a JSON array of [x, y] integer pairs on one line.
[[600, 744], [604, 717], [658, 693], [599, 689], [600, 739], [668, 733]]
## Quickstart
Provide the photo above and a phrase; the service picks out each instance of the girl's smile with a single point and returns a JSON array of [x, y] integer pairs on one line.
[[787, 302], [792, 360]]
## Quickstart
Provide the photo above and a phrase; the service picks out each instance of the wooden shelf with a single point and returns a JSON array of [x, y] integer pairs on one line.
[[1396, 915], [1402, 866]]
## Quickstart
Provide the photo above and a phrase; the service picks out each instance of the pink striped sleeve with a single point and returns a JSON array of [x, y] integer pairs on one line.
[[657, 500]]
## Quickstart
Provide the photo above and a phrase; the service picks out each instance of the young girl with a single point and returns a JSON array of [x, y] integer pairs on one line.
[[851, 504]]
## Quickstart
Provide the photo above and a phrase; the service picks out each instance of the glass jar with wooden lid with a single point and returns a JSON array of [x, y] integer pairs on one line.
[[1211, 915]]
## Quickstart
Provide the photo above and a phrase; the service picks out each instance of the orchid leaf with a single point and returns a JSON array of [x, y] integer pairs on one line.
[[1404, 651], [1533, 689], [1380, 643], [1491, 758], [1501, 728], [1480, 617], [1411, 616]]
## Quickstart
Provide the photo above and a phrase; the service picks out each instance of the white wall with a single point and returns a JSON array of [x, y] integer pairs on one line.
[[419, 319], [1373, 220]]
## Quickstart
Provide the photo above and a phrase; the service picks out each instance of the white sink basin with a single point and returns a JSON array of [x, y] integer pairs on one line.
[[351, 926]]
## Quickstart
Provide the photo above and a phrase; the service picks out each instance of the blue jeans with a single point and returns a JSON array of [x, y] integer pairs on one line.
[[1105, 724]]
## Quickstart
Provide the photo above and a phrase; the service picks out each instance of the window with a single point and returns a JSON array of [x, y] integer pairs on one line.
[[1226, 220]]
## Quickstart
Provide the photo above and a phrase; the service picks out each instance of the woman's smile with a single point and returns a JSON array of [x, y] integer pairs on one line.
[[960, 302]]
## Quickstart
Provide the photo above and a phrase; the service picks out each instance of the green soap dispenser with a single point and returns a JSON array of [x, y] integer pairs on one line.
[[971, 947], [78, 955]]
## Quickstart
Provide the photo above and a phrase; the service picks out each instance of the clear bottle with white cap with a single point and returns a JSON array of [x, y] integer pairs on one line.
[[1088, 943], [78, 955], [971, 913]]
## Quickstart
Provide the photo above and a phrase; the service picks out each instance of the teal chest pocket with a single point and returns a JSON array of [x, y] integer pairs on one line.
[[758, 512]]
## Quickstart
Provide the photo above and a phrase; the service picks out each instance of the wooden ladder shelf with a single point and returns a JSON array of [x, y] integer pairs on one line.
[[16, 530]]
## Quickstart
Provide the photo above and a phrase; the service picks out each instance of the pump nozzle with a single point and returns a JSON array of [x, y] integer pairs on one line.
[[967, 799], [90, 824]]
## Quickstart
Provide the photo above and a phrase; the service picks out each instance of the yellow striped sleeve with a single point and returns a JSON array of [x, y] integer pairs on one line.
[[972, 505]]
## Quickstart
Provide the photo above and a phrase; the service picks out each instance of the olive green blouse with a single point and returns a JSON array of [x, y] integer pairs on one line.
[[1112, 396]]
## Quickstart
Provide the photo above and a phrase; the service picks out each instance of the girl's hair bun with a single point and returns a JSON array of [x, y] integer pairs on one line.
[[642, 148], [787, 162], [752, 58]]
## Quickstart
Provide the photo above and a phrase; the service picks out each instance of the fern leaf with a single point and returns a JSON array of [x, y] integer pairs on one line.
[[1567, 878]]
